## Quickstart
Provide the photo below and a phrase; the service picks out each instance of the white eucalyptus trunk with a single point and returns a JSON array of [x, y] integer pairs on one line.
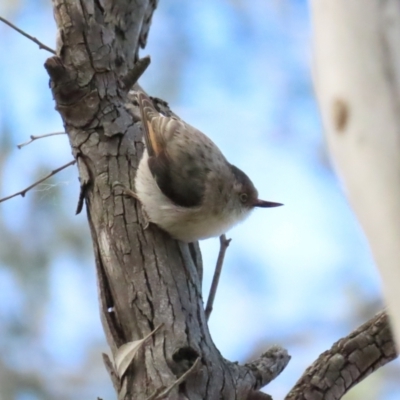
[[357, 81]]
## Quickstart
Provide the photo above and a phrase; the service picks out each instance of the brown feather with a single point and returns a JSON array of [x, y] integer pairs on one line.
[[178, 172], [148, 114]]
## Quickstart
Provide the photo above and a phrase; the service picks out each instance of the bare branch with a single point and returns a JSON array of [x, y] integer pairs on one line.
[[269, 365], [23, 192], [33, 138], [40, 44], [348, 362], [224, 243], [136, 72]]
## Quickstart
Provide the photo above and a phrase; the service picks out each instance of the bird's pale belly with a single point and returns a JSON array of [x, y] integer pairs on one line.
[[187, 225]]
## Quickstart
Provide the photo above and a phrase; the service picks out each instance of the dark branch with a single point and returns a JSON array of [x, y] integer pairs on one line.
[[224, 243], [23, 33], [348, 362], [258, 396], [84, 179], [33, 138], [136, 72], [23, 192]]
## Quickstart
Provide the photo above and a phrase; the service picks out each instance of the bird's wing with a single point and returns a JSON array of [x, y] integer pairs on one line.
[[154, 141], [176, 158]]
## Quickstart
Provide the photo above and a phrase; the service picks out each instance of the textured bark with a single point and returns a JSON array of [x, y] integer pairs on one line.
[[348, 362], [145, 278]]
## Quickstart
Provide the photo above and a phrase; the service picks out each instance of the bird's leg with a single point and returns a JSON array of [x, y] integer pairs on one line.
[[146, 219], [126, 191], [131, 193], [224, 243]]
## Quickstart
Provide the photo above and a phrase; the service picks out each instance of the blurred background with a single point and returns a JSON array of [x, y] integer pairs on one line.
[[300, 275]]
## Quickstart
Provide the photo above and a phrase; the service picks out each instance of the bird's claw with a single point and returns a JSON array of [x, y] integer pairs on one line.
[[125, 190], [131, 193], [146, 220]]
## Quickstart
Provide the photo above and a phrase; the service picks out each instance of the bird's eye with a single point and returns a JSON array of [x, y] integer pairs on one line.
[[243, 197]]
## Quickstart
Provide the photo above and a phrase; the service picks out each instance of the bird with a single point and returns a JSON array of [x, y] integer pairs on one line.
[[185, 184]]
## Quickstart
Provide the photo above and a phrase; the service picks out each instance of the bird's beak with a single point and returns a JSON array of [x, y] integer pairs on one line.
[[265, 204]]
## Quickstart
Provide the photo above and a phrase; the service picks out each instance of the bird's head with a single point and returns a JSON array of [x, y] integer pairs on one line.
[[246, 194]]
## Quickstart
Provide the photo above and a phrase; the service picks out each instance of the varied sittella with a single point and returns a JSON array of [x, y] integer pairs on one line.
[[185, 184]]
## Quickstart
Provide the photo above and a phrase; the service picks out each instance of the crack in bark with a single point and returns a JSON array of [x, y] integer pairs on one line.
[[165, 285]]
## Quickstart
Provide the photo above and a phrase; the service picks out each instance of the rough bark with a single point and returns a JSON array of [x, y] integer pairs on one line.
[[348, 362], [357, 80], [144, 277]]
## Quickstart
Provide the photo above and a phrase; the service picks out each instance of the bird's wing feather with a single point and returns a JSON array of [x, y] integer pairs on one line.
[[176, 157], [149, 113]]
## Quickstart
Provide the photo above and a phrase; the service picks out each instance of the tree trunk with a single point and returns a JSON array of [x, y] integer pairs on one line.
[[357, 79], [145, 278]]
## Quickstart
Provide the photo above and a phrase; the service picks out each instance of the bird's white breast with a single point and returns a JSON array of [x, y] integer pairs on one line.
[[186, 224]]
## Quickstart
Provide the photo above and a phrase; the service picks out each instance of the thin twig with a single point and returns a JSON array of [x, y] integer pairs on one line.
[[23, 192], [224, 243], [40, 44], [33, 138]]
